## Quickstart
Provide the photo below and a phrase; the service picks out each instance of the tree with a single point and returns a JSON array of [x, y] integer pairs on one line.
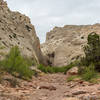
[[15, 63], [92, 51]]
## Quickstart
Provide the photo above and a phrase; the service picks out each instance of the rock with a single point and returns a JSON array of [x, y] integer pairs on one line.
[[71, 98], [72, 71], [79, 92], [16, 29], [89, 98], [34, 68], [64, 45], [48, 87], [99, 88]]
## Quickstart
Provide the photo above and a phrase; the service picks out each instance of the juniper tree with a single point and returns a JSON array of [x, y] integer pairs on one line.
[[92, 51]]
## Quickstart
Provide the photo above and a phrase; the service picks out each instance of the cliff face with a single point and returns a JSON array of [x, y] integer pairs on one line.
[[65, 44], [16, 29]]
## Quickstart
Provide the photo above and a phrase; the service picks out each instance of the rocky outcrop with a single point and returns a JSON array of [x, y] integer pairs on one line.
[[16, 29], [65, 44]]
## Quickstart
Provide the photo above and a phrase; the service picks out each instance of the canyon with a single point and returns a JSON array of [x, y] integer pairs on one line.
[[63, 45]]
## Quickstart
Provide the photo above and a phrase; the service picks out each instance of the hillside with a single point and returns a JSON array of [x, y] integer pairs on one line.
[[64, 45], [16, 29]]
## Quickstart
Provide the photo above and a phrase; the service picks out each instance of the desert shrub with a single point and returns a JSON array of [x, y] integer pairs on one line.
[[49, 69], [90, 64], [89, 73], [92, 51], [45, 69], [30, 61], [13, 82], [72, 64], [15, 63], [71, 78]]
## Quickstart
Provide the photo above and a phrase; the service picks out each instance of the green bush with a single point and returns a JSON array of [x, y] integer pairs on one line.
[[45, 69], [89, 73], [15, 64], [90, 64], [49, 69], [71, 78], [30, 61], [92, 51]]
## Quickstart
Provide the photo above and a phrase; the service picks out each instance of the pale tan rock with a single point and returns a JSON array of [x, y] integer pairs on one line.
[[72, 71], [71, 98], [66, 43], [16, 29]]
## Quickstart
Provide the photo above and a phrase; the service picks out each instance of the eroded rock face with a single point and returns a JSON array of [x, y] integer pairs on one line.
[[66, 43], [16, 29]]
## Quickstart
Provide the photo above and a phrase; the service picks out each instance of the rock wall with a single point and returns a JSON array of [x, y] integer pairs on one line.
[[16, 29], [65, 44]]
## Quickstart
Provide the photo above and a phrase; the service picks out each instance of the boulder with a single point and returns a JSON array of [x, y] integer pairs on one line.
[[72, 71]]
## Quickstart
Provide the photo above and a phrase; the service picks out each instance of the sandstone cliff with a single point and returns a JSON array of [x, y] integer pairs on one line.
[[16, 29], [65, 44]]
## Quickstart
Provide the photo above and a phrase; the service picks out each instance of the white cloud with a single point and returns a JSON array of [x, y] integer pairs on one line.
[[45, 14]]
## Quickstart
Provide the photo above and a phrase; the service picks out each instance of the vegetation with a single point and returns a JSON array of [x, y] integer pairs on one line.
[[30, 61], [89, 65], [15, 64], [89, 73], [13, 82], [49, 69], [71, 78], [92, 51]]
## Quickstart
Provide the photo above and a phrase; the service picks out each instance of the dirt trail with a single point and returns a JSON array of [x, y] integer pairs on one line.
[[51, 87], [61, 89], [58, 84]]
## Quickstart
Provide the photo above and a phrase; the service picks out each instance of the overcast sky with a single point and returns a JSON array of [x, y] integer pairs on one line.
[[46, 14]]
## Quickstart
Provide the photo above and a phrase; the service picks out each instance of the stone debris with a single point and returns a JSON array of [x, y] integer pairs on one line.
[[72, 98], [48, 87], [79, 92]]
